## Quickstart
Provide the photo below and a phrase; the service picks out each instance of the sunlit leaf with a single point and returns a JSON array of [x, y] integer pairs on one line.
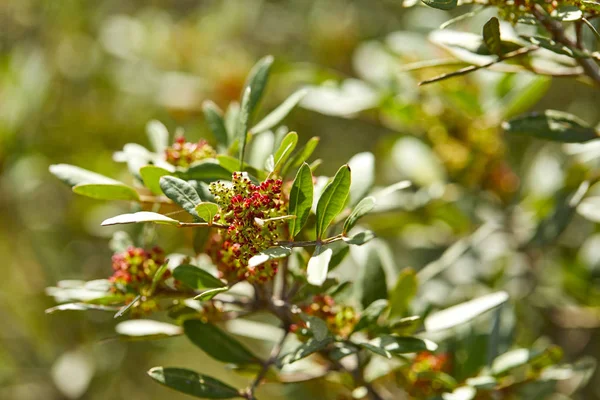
[[193, 383], [103, 191], [362, 167], [287, 146], [181, 193], [147, 329], [332, 200], [141, 216], [207, 171], [272, 253], [207, 210], [210, 293], [301, 199], [151, 175], [318, 265], [389, 345], [241, 133], [72, 175], [257, 81]]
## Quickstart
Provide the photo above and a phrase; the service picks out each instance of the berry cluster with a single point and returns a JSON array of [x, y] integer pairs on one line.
[[248, 210], [340, 320], [134, 269], [183, 154]]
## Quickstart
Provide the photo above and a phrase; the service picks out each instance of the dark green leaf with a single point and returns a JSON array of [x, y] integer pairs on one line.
[[72, 175], [158, 136], [103, 191], [301, 199], [371, 314], [151, 175], [257, 80], [141, 216], [371, 281], [181, 193], [217, 344], [551, 125], [207, 171], [332, 200], [196, 278], [192, 383], [207, 210], [287, 146], [403, 293], [362, 208], [241, 132], [214, 118], [318, 265], [158, 276], [491, 36], [441, 4], [317, 326], [272, 253], [304, 350], [278, 114], [233, 165], [360, 238]]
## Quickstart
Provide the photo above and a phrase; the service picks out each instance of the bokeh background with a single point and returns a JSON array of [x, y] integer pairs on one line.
[[80, 79]]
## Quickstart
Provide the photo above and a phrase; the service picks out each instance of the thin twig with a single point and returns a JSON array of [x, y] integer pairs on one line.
[[200, 224], [592, 27], [267, 364], [310, 243], [471, 68], [589, 66]]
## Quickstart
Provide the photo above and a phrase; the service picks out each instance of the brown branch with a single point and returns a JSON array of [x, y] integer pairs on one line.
[[249, 393]]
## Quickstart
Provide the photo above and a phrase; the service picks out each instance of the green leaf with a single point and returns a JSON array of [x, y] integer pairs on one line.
[[158, 276], [287, 146], [551, 125], [301, 199], [210, 293], [214, 119], [589, 208], [404, 291], [141, 216], [441, 4], [278, 114], [193, 383], [103, 191], [567, 13], [363, 208], [464, 312], [304, 350], [371, 281], [217, 344], [181, 193], [371, 314], [147, 329], [362, 167], [305, 153], [151, 175], [332, 201], [317, 326], [389, 345], [233, 165], [158, 136], [241, 132], [72, 175], [513, 359], [207, 210], [272, 253], [79, 307], [257, 81], [491, 36], [196, 278], [318, 265], [207, 171], [360, 238]]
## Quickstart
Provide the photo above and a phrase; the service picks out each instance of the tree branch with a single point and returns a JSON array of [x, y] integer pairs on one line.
[[249, 393]]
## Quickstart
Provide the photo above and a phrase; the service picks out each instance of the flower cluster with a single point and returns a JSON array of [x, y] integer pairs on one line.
[[422, 373], [134, 269], [250, 211], [512, 10], [183, 154], [340, 320]]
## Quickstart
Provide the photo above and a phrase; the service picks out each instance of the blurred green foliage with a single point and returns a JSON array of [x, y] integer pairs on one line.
[[78, 80]]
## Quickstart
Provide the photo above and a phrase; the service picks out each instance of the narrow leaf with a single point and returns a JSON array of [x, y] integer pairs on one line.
[[301, 199], [287, 146], [464, 312], [552, 125], [318, 265], [403, 293], [217, 344], [305, 153], [151, 175], [491, 36], [147, 329], [272, 253], [196, 278], [333, 199], [158, 136], [361, 209], [304, 350], [103, 191], [210, 293], [141, 216], [125, 309], [193, 383], [360, 238], [278, 114], [390, 344], [215, 121], [243, 122], [362, 167], [207, 211], [257, 81], [441, 4], [371, 281], [72, 175], [181, 193]]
